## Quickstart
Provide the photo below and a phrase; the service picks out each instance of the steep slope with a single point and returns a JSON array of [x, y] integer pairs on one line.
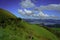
[[17, 29], [20, 30], [4, 14], [39, 32]]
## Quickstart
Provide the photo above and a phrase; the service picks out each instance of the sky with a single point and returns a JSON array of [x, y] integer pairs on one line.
[[39, 9]]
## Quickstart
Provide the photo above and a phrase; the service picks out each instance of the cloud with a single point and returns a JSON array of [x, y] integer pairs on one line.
[[28, 12], [40, 14], [27, 4], [46, 16], [21, 11], [50, 7], [25, 12]]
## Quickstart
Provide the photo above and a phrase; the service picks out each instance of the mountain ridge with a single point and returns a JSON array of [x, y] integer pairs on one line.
[[5, 13]]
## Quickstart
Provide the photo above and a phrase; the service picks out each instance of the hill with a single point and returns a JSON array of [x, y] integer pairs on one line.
[[17, 29], [4, 14]]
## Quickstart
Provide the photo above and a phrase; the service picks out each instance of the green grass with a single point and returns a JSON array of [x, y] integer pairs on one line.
[[17, 29], [13, 32], [40, 31]]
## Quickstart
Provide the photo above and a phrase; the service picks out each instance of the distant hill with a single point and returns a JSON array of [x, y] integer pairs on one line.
[[45, 21], [55, 26], [14, 28]]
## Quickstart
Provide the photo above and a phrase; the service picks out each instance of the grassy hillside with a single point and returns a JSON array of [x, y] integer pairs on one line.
[[24, 31], [4, 14], [17, 29]]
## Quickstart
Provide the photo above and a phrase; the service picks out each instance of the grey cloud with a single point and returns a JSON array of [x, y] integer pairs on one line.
[[27, 4], [50, 7]]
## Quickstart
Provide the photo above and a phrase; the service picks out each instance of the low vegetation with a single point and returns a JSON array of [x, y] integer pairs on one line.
[[17, 29]]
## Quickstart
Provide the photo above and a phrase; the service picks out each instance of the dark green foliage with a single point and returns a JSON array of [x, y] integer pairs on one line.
[[11, 21], [56, 32]]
